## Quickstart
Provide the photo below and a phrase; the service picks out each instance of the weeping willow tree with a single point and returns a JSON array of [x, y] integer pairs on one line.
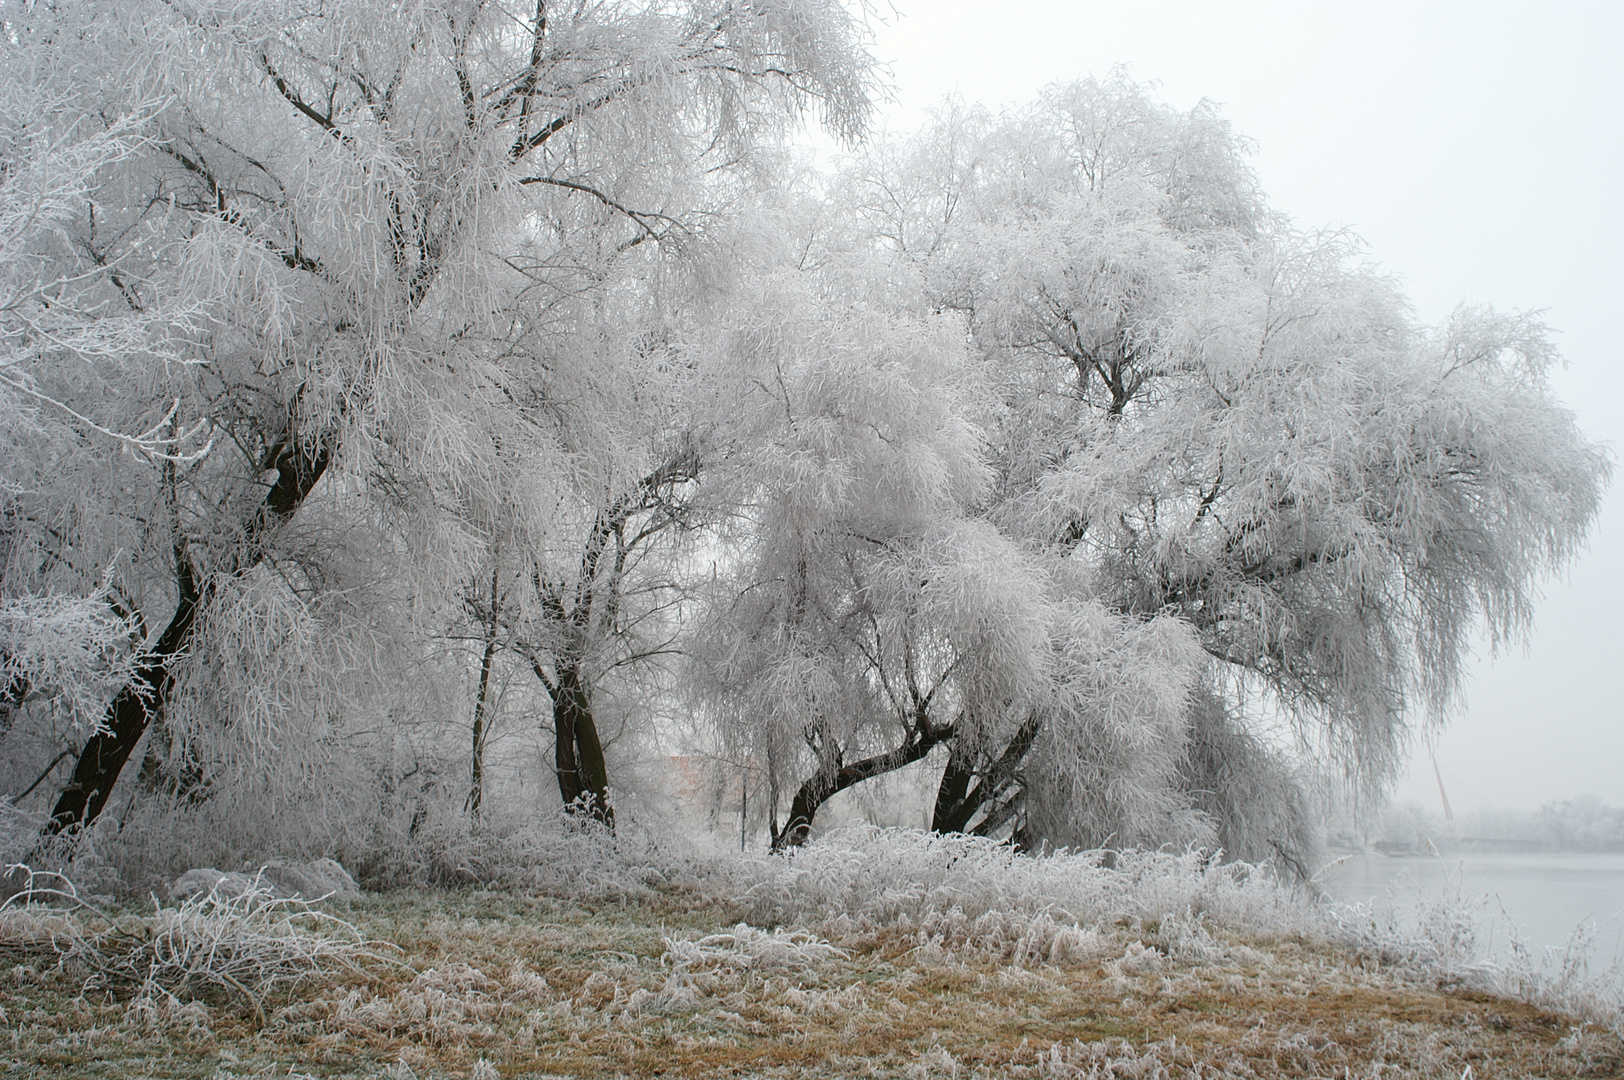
[[356, 203], [1223, 421], [861, 616]]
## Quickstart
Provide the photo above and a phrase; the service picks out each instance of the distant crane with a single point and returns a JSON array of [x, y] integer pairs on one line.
[[1449, 815]]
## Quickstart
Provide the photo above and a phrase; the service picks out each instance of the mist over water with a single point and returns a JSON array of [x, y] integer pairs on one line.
[[1546, 896]]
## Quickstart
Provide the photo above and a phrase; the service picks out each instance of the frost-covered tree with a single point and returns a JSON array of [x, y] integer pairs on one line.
[[865, 612], [861, 616], [1233, 424], [578, 574], [85, 335], [355, 198]]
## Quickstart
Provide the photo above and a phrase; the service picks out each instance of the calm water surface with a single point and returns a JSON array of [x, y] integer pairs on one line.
[[1546, 895]]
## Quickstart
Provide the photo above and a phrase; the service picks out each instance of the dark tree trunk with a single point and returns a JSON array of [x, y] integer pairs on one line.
[[583, 776], [482, 698], [299, 465], [954, 808], [997, 790], [835, 778], [476, 787], [594, 769], [105, 753]]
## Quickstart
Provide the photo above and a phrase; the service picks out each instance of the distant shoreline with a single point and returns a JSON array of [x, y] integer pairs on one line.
[[1469, 845]]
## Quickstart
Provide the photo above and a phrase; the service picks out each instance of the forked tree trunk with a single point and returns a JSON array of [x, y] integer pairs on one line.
[[299, 465], [583, 776], [992, 794]]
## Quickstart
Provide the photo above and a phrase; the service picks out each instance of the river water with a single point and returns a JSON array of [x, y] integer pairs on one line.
[[1545, 896]]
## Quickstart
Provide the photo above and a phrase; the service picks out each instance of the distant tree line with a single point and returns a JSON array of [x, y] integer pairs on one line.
[[1581, 824]]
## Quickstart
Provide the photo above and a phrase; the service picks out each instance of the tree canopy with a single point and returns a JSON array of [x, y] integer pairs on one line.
[[408, 411], [1231, 422]]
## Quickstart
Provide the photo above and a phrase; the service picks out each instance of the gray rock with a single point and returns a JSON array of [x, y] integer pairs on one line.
[[321, 879]]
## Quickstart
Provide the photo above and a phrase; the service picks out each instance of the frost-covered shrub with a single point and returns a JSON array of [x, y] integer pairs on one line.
[[891, 876]]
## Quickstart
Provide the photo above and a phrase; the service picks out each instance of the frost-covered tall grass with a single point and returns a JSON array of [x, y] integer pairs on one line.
[[974, 895], [935, 896], [250, 944], [885, 875]]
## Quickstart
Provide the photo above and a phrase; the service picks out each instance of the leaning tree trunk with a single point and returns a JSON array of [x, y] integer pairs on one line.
[[954, 807], [132, 710], [583, 776], [835, 777], [299, 465]]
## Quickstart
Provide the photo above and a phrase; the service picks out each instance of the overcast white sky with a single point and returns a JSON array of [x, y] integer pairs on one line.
[[1477, 147]]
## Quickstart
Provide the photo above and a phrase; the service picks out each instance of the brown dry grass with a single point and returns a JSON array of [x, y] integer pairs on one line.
[[503, 986]]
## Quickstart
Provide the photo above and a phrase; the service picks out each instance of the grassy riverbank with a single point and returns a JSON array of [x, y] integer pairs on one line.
[[671, 981]]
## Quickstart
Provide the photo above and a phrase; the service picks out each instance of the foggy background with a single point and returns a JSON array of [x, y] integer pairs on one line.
[[1476, 147]]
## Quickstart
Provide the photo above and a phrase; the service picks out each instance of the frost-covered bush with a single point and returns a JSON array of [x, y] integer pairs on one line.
[[889, 876], [249, 944]]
